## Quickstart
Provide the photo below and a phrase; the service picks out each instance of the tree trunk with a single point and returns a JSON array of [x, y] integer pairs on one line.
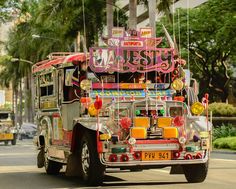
[[132, 14], [15, 108], [109, 17], [32, 97], [152, 4], [25, 99], [28, 98], [21, 105]]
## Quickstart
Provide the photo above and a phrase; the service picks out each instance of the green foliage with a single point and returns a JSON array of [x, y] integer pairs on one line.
[[209, 29], [224, 131], [7, 9], [222, 109], [227, 143]]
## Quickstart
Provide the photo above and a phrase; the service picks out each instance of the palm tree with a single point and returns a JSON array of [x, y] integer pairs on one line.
[[10, 76]]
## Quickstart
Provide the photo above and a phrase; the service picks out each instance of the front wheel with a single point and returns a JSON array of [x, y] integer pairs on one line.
[[91, 169], [195, 173], [51, 167]]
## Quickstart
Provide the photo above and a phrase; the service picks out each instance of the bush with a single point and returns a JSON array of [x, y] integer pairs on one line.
[[224, 131], [228, 143], [222, 109]]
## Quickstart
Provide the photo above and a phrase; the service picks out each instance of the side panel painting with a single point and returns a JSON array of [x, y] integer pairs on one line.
[[57, 127]]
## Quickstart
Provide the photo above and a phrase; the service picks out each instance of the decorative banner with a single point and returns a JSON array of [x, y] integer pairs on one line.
[[146, 32], [129, 93], [158, 86], [57, 128], [125, 59], [118, 32], [132, 43]]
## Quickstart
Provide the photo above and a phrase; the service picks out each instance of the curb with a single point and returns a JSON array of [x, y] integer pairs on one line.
[[223, 152]]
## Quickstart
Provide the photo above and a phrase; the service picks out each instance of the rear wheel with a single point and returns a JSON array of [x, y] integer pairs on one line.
[[195, 173], [13, 142], [91, 169], [6, 142]]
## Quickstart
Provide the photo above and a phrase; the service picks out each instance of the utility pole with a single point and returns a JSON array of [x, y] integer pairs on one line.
[[109, 6], [152, 6], [132, 14]]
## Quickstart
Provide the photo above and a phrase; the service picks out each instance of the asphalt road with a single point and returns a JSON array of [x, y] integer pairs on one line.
[[18, 171]]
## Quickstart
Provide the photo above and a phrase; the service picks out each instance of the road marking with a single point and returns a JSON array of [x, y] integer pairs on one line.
[[161, 170], [19, 169], [230, 160], [17, 154]]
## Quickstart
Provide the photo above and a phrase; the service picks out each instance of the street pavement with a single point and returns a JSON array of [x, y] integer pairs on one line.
[[18, 171]]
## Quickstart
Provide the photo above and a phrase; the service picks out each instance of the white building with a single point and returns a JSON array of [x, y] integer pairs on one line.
[[142, 12]]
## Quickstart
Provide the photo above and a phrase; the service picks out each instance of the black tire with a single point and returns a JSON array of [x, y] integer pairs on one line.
[[13, 142], [51, 167], [136, 170], [195, 173], [6, 142], [90, 167]]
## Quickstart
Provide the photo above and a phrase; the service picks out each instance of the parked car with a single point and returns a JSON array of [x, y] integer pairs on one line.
[[27, 131]]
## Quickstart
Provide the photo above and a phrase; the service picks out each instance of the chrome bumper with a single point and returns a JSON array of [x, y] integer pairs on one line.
[[154, 163]]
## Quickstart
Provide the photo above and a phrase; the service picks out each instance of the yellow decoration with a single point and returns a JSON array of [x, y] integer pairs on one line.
[[138, 132], [204, 134], [86, 84], [164, 122], [142, 122], [197, 108], [105, 136], [170, 132], [177, 84], [92, 110]]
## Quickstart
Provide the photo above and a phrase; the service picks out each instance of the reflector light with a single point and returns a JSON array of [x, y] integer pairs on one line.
[[176, 155], [113, 158], [188, 156], [182, 140], [198, 156], [137, 155], [124, 157]]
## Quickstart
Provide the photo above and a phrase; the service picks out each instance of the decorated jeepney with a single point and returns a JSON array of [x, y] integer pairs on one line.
[[129, 104], [8, 130]]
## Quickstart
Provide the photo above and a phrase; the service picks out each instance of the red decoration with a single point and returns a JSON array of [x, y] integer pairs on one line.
[[179, 98], [98, 103], [178, 121], [125, 123], [84, 100], [132, 98]]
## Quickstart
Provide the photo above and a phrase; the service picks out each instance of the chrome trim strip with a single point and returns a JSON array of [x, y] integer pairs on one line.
[[160, 162], [153, 147]]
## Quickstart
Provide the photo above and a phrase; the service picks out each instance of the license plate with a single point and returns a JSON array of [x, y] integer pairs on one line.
[[6, 136], [160, 155]]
